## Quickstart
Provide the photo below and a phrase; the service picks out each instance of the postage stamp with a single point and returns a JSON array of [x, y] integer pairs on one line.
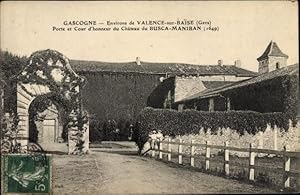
[[26, 173]]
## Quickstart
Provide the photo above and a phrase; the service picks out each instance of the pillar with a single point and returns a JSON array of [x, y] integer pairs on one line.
[[23, 128], [73, 141], [275, 138], [180, 107], [86, 138], [211, 105], [228, 107]]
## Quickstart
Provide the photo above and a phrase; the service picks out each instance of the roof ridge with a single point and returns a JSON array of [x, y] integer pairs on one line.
[[102, 61], [148, 62], [170, 67], [271, 47]]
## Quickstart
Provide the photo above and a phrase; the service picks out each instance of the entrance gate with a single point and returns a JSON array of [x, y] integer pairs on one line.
[[49, 74]]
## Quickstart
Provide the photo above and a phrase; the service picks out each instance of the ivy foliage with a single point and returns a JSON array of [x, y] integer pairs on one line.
[[280, 94], [52, 70], [291, 99], [172, 122], [44, 67], [11, 64], [9, 134]]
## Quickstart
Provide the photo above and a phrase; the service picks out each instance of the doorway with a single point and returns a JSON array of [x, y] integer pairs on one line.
[[49, 129]]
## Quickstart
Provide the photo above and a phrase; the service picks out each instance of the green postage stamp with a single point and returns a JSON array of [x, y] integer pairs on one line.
[[26, 173]]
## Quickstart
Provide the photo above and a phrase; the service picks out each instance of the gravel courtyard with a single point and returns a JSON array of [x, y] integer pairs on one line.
[[110, 173]]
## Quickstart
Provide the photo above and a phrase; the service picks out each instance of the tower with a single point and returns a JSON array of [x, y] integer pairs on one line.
[[272, 58]]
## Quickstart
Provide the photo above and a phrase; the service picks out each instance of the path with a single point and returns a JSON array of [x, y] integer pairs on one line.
[[104, 173]]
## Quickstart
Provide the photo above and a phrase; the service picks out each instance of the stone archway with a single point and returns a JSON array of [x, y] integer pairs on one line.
[[48, 73], [47, 124]]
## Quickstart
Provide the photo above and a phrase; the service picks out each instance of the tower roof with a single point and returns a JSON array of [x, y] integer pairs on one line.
[[272, 50]]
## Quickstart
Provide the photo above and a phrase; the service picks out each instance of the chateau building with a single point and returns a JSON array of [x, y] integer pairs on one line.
[[178, 87], [275, 86], [117, 92]]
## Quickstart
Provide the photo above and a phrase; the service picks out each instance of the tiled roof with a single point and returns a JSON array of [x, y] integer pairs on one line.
[[272, 50], [289, 70], [159, 68]]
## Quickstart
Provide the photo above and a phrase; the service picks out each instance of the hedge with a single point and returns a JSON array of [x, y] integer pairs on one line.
[[172, 122]]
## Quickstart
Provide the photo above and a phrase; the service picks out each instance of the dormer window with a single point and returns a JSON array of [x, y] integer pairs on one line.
[[277, 65]]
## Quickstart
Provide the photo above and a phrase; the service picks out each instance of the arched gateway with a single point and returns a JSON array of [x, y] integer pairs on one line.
[[49, 103]]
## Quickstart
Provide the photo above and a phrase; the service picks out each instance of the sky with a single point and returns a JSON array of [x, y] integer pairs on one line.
[[245, 30]]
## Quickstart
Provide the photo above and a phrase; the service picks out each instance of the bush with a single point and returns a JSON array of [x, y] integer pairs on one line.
[[109, 130], [171, 122], [139, 136], [95, 135]]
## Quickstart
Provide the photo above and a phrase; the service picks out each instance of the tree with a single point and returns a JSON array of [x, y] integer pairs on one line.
[[11, 64]]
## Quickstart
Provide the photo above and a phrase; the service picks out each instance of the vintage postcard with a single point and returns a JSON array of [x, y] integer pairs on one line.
[[149, 97]]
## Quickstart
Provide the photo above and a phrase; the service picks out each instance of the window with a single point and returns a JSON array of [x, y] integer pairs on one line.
[[277, 65]]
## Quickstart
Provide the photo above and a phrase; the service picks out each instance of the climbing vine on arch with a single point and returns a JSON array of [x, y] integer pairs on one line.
[[51, 69]]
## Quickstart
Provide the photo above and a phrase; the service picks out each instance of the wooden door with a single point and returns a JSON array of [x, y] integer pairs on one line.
[[49, 131]]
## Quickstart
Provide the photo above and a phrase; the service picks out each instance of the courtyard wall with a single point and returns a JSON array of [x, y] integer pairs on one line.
[[115, 98]]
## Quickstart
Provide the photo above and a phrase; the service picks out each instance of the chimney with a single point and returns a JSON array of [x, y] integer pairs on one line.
[[220, 62], [238, 63], [138, 60]]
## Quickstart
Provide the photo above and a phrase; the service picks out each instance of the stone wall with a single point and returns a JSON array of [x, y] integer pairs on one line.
[[273, 60], [272, 138], [269, 64], [263, 66], [117, 97], [185, 87]]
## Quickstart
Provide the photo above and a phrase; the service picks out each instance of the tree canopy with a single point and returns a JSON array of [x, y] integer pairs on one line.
[[10, 64]]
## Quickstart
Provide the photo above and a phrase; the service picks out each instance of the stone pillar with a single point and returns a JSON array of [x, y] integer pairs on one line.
[[169, 102], [275, 138], [74, 144], [228, 107], [72, 141], [23, 135], [211, 106], [56, 129], [165, 103], [180, 107], [60, 126], [260, 143], [86, 138]]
